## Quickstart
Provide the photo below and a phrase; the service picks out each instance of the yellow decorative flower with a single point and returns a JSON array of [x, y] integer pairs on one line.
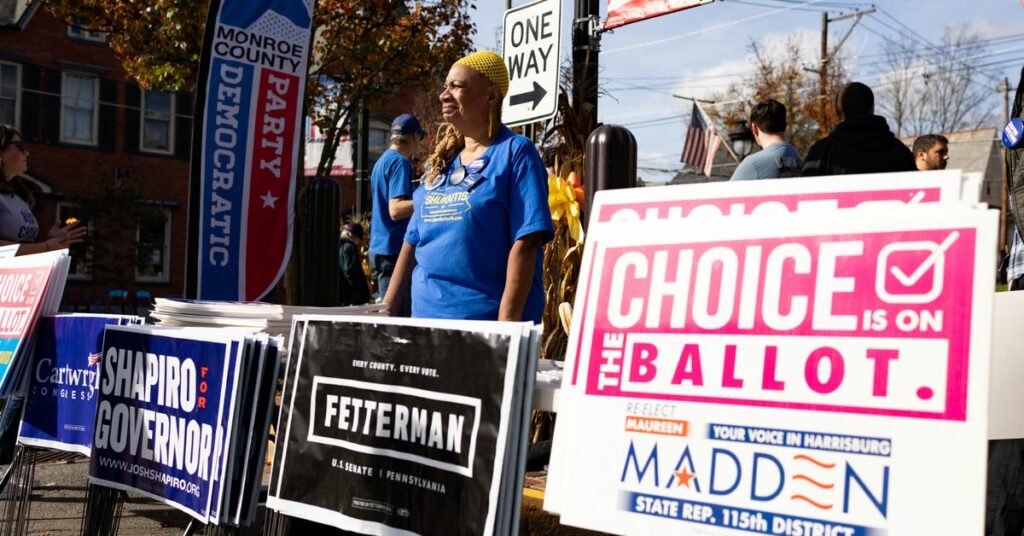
[[562, 201]]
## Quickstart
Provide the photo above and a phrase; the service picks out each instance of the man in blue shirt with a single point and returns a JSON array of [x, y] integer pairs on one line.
[[391, 184], [777, 157]]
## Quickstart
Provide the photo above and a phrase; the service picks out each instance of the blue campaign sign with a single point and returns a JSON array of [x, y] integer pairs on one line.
[[222, 447], [158, 413], [246, 145], [225, 158], [64, 376]]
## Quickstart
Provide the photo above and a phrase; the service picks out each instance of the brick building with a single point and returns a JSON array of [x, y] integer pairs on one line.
[[102, 150], [100, 144]]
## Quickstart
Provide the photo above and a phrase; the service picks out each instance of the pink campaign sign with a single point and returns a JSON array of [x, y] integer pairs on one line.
[[779, 196], [762, 204], [870, 323]]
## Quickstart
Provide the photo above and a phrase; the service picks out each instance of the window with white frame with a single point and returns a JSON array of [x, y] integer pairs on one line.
[[81, 253], [154, 247], [75, 31], [380, 137], [80, 109], [10, 83], [157, 122]]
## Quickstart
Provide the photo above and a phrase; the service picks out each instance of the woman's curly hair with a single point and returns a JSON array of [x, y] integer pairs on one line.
[[449, 143]]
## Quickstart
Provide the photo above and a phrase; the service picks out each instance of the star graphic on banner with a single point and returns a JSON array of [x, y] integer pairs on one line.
[[684, 477], [269, 200]]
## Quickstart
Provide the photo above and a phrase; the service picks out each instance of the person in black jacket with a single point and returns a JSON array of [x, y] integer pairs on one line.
[[862, 143], [352, 286]]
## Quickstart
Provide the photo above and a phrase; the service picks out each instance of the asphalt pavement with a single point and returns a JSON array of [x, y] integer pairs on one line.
[[58, 504]]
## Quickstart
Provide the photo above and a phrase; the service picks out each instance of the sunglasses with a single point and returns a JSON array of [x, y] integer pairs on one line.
[[20, 145]]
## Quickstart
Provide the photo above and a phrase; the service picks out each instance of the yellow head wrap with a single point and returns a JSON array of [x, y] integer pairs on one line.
[[490, 65]]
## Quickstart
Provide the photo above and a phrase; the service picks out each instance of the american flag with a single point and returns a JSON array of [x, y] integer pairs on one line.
[[701, 142]]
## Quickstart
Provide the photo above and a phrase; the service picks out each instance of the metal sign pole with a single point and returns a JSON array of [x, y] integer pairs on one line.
[[17, 489], [103, 510]]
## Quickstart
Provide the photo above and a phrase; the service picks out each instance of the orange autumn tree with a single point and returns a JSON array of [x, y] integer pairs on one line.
[[781, 74], [365, 53], [158, 41], [368, 51]]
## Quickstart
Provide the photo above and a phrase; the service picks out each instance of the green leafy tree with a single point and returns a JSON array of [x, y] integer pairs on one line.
[[158, 41], [365, 53]]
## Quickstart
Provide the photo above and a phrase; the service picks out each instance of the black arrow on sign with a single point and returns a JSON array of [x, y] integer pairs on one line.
[[535, 95]]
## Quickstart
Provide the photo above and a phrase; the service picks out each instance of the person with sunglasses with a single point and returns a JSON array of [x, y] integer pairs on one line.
[[474, 246], [18, 226]]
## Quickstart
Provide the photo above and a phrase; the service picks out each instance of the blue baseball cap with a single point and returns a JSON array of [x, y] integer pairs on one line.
[[406, 124]]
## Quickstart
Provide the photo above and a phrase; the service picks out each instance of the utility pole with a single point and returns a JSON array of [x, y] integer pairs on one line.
[[826, 56], [362, 155], [1005, 196], [585, 47], [823, 74]]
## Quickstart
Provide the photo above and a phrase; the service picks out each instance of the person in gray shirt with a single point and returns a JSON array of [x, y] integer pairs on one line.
[[777, 157]]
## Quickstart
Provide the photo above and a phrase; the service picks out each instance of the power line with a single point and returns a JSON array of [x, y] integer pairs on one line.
[[749, 3], [636, 87], [907, 28], [966, 67], [918, 52], [661, 121], [984, 53], [711, 28], [663, 86], [894, 43], [918, 37], [951, 46], [837, 5], [708, 77], [636, 114]]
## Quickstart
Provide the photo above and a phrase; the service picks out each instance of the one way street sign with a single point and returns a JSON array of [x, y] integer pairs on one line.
[[532, 47]]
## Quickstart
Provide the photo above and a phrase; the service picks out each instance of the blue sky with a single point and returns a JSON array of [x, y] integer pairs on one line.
[[703, 49]]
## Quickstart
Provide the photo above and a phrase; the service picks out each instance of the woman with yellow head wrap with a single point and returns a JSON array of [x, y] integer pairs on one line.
[[474, 246]]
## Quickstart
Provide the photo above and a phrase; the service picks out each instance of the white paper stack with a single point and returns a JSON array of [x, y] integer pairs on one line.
[[269, 318]]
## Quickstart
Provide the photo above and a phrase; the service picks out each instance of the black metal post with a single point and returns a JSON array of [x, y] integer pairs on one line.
[[610, 162], [17, 484], [585, 47], [103, 510], [362, 156], [323, 221]]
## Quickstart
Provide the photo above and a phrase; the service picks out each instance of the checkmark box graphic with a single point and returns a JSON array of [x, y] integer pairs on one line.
[[911, 272]]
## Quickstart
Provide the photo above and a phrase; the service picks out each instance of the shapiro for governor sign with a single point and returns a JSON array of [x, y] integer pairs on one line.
[[393, 427]]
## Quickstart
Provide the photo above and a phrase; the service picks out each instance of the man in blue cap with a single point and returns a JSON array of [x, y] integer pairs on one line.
[[391, 184]]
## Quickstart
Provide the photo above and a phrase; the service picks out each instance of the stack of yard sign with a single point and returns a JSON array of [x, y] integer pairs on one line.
[[780, 357], [398, 426]]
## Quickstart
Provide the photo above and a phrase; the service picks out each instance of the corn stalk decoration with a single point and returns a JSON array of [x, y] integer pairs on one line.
[[566, 141], [562, 256]]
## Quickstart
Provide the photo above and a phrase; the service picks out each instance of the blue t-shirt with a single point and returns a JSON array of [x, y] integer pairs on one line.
[[464, 232], [391, 178], [778, 160]]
